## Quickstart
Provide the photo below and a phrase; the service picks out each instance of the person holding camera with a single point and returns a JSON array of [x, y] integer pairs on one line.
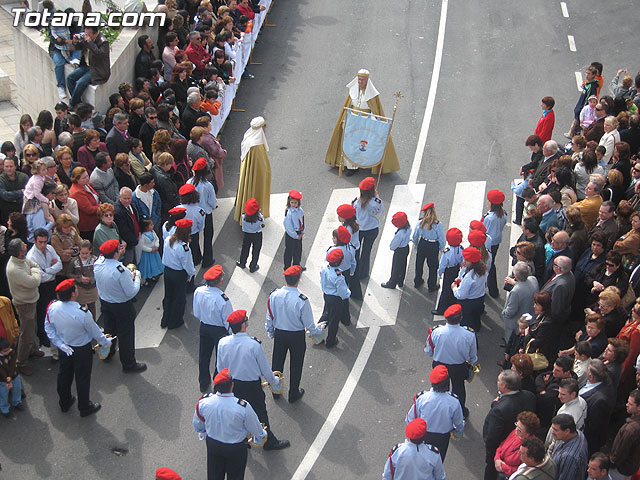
[[95, 66], [66, 241]]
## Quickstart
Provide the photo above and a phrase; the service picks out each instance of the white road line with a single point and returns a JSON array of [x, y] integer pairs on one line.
[[380, 305], [310, 280], [572, 43], [468, 200], [431, 99], [148, 331], [244, 288], [579, 81], [565, 12], [338, 408]]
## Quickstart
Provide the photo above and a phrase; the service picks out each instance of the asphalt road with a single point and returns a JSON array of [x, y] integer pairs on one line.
[[499, 59]]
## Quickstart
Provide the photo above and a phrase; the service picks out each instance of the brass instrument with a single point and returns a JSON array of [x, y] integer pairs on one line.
[[105, 351], [318, 339], [133, 269], [264, 440], [473, 370], [280, 377]]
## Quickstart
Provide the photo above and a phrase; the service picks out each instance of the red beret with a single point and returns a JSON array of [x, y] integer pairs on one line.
[[200, 164], [213, 273], [184, 223], [416, 429], [293, 270], [427, 206], [346, 211], [335, 255], [367, 183], [477, 238], [477, 225], [472, 254], [495, 196], [186, 189], [223, 376], [454, 237], [343, 234], [251, 206], [167, 474], [455, 309], [177, 210], [399, 219], [109, 246], [237, 316], [295, 194], [65, 284], [439, 374]]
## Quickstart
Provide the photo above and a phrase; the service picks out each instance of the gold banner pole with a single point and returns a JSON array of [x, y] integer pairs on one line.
[[398, 96]]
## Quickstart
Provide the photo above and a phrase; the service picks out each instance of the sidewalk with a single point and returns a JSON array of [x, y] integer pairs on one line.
[[9, 112]]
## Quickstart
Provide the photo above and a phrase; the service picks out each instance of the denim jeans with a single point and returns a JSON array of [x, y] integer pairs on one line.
[[59, 61], [77, 83], [14, 395]]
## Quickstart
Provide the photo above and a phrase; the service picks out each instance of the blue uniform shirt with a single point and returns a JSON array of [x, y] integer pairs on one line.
[[349, 255], [167, 233], [441, 410], [290, 310], [401, 238], [333, 282], [208, 201], [211, 306], [472, 286], [412, 462], [227, 419], [178, 257], [115, 282], [494, 225], [435, 234], [452, 344], [196, 214], [294, 222], [67, 323], [252, 227], [367, 216], [451, 257], [244, 357], [355, 238]]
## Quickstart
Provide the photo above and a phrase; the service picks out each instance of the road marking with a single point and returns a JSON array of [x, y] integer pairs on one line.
[[572, 43], [338, 408], [431, 99], [565, 12], [579, 81], [380, 305], [244, 288], [310, 280], [468, 200]]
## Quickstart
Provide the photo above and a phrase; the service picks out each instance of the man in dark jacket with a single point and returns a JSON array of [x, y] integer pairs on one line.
[[12, 183], [631, 135], [95, 67], [191, 113], [503, 414], [595, 131], [550, 152], [148, 130], [118, 135], [600, 398], [145, 57], [625, 453], [127, 219], [547, 384]]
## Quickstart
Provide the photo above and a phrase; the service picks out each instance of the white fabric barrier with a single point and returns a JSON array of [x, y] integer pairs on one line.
[[243, 50]]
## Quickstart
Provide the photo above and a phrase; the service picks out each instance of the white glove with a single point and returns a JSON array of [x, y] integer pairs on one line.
[[67, 349], [270, 335], [322, 325], [202, 435]]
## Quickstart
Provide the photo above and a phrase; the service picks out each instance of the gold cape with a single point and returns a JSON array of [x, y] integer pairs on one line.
[[334, 152], [255, 181]]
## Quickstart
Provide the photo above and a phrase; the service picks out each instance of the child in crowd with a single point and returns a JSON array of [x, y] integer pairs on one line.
[[82, 272], [400, 247], [10, 383], [211, 103], [581, 362], [150, 264], [33, 197], [588, 113], [252, 223], [347, 216], [516, 343], [294, 228], [336, 295]]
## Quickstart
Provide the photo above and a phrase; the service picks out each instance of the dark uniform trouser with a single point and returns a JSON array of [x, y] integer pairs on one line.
[[492, 282], [292, 251], [210, 335], [429, 251], [251, 240], [367, 238], [207, 258], [353, 282], [79, 365], [399, 265], [446, 296], [458, 373], [47, 291], [440, 440], [293, 342], [471, 312], [194, 245], [175, 297], [333, 313], [119, 320], [228, 459], [252, 392]]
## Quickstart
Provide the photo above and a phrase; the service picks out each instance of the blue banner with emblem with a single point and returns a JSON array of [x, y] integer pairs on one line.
[[365, 138]]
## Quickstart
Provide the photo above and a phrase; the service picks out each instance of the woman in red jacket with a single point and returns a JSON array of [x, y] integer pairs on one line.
[[507, 457], [87, 200], [631, 333], [544, 129]]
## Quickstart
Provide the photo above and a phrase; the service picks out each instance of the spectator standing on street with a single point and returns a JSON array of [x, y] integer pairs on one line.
[[544, 128]]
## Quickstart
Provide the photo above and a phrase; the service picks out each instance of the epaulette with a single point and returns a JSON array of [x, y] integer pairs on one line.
[[377, 200], [338, 272], [433, 448], [186, 247], [242, 403], [206, 395], [446, 250], [84, 308], [453, 394], [257, 340], [395, 447], [434, 327], [419, 394], [120, 268], [469, 328], [354, 200], [273, 290], [202, 212], [226, 299], [303, 296]]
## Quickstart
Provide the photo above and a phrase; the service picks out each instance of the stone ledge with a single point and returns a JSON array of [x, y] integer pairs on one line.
[[5, 86]]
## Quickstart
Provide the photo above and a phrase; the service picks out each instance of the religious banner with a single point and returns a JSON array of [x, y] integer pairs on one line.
[[365, 138]]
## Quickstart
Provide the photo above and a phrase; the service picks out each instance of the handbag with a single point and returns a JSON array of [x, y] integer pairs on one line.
[[540, 362]]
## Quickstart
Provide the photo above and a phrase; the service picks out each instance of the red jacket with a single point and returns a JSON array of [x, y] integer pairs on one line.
[[544, 129], [509, 453], [198, 56], [87, 207], [246, 11]]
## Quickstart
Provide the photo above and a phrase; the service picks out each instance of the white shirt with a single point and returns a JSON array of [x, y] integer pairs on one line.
[[48, 271]]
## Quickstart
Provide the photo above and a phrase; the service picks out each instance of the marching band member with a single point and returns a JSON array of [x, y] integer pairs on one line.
[[294, 230], [207, 202], [288, 315], [342, 241], [470, 286], [368, 207], [400, 247], [494, 220], [190, 200], [449, 269], [247, 362], [428, 237], [347, 216], [212, 307], [336, 295], [252, 223], [169, 227]]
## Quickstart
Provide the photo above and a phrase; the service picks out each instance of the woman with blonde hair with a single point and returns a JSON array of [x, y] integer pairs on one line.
[[30, 155], [62, 203], [66, 242], [64, 157], [161, 143], [20, 140], [610, 138], [428, 237]]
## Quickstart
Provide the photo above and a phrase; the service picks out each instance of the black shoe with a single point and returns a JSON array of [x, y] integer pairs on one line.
[[93, 408], [254, 269], [331, 344], [434, 288], [241, 265], [276, 396], [418, 283], [387, 285], [66, 408], [436, 312], [465, 413], [177, 325], [19, 407], [350, 172], [295, 398], [137, 367], [400, 284], [494, 294], [276, 445], [304, 269]]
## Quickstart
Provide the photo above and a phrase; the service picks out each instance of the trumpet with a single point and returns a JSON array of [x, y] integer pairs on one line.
[[133, 269], [318, 339], [280, 377], [105, 351], [473, 370], [252, 441]]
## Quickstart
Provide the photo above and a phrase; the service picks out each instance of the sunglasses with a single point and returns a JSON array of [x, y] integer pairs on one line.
[[30, 154], [609, 264]]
